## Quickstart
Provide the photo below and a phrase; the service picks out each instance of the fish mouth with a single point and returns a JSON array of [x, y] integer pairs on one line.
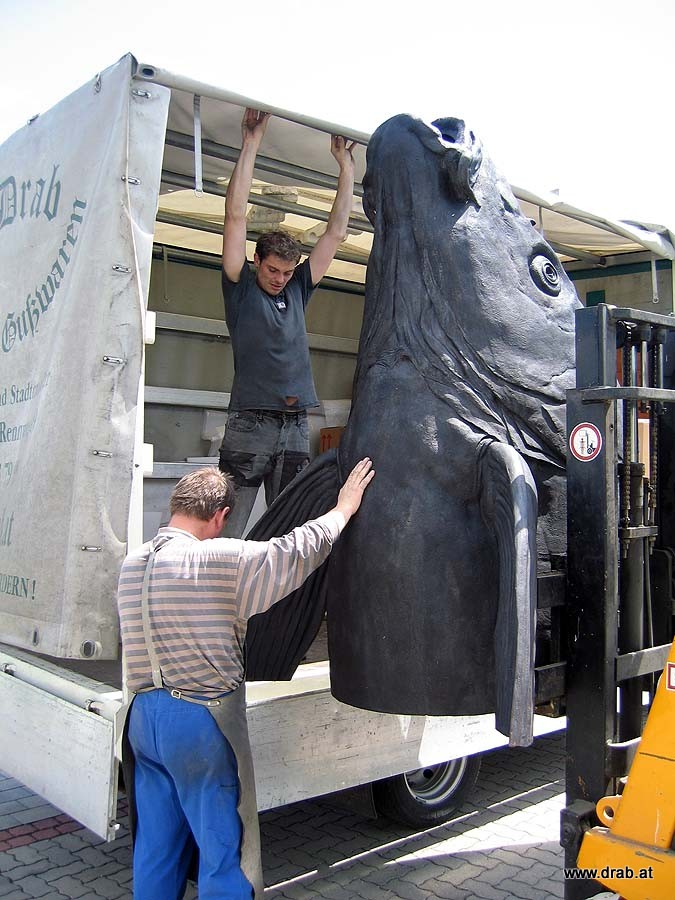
[[450, 131], [462, 152], [441, 135]]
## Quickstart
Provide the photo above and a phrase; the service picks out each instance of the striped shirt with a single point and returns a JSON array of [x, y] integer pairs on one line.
[[200, 596]]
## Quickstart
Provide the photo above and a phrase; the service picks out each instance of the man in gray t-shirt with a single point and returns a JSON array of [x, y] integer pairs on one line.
[[267, 436]]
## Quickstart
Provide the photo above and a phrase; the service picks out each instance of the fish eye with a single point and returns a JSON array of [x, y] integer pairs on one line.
[[545, 275]]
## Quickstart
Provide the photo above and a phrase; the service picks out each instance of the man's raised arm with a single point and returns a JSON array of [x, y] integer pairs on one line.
[[336, 231], [253, 128]]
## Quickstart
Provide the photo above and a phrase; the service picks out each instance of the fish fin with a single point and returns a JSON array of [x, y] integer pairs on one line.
[[509, 507], [278, 639]]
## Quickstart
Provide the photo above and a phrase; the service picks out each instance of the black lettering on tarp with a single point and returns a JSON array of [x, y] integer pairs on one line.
[[6, 524], [37, 198], [9, 333], [25, 187], [24, 392], [51, 200], [30, 207], [17, 586], [7, 470], [24, 324], [53, 194], [11, 433], [7, 202]]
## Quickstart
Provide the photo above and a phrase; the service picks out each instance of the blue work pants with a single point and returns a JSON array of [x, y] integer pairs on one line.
[[186, 781]]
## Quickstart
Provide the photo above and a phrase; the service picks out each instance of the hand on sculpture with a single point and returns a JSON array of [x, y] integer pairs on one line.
[[342, 151], [351, 493], [253, 125]]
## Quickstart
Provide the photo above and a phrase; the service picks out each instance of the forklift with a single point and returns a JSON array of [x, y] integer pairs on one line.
[[618, 825]]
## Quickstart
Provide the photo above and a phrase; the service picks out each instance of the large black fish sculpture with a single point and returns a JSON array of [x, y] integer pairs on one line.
[[466, 351]]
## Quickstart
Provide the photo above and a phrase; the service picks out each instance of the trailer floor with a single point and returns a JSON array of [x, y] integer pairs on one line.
[[109, 671], [503, 846]]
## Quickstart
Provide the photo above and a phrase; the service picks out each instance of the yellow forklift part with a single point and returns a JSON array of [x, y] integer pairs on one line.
[[634, 871], [620, 606], [641, 821], [606, 809]]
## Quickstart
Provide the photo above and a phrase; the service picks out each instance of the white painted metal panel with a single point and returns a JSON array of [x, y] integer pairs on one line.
[[62, 752], [305, 743]]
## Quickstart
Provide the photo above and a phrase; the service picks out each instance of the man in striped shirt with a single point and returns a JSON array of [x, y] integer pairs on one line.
[[184, 600]]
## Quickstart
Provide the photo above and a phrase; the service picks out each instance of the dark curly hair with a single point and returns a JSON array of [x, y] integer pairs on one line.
[[280, 244]]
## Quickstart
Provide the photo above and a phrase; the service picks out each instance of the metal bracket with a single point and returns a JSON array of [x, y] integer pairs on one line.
[[655, 283], [103, 453], [130, 179], [199, 179], [575, 819], [125, 270], [620, 757], [638, 531], [114, 360]]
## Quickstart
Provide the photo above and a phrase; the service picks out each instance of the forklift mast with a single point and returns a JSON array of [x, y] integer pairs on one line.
[[621, 554]]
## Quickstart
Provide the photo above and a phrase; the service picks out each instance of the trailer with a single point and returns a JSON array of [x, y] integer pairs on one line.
[[114, 382]]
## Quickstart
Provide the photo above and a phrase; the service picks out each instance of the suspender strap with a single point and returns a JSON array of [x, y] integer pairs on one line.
[[147, 633]]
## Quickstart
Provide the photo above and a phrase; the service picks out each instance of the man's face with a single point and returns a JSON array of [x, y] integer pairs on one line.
[[273, 273]]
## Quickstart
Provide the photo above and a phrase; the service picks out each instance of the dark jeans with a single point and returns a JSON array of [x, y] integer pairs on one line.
[[261, 446]]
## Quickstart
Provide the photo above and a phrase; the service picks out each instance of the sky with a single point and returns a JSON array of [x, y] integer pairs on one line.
[[570, 96]]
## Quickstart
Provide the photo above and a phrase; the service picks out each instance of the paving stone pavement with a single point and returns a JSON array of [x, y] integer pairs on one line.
[[502, 846]]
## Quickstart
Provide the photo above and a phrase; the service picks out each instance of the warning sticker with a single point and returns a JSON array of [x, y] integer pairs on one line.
[[670, 676], [585, 442]]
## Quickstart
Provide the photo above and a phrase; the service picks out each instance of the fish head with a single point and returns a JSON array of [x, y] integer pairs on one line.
[[463, 280]]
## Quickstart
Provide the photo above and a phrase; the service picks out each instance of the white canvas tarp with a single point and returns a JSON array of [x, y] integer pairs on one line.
[[78, 191], [296, 151]]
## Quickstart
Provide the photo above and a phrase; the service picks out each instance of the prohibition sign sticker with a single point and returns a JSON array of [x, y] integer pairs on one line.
[[670, 676], [585, 442]]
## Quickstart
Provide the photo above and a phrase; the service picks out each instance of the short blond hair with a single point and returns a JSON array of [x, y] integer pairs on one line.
[[202, 493]]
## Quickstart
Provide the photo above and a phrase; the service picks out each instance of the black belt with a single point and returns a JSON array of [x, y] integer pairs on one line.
[[281, 413]]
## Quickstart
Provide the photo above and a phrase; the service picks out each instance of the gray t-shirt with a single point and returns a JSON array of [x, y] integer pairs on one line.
[[269, 341]]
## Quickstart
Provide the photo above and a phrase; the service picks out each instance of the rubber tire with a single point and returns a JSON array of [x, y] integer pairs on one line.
[[427, 796]]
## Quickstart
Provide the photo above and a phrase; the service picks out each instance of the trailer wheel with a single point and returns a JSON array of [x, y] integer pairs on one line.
[[427, 796]]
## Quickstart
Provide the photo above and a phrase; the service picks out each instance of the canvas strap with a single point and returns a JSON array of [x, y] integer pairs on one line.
[[157, 680]]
